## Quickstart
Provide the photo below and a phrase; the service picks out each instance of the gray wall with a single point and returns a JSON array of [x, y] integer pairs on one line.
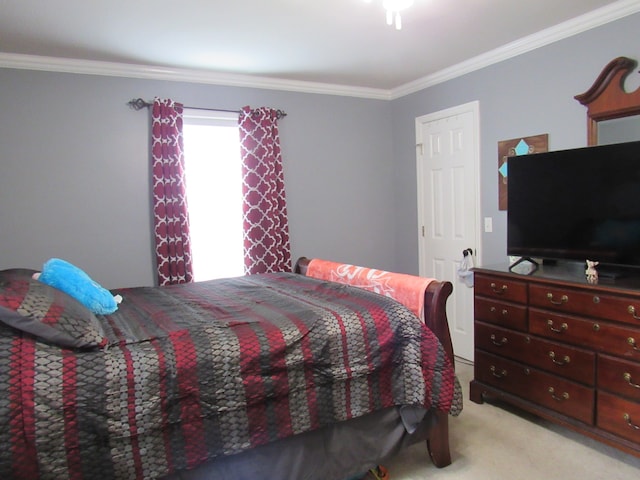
[[74, 158], [74, 172], [527, 95]]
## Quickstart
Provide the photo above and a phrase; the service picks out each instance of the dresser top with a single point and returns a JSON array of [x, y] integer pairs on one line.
[[571, 274]]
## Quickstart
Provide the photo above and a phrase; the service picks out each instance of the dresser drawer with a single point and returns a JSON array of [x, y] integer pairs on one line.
[[567, 361], [564, 396], [502, 313], [563, 328], [500, 288], [592, 303], [606, 337], [619, 376], [619, 416]]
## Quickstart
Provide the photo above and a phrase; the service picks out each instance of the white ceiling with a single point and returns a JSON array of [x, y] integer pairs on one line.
[[330, 42]]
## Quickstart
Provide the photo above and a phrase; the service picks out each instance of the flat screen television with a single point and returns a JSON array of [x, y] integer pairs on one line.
[[576, 205]]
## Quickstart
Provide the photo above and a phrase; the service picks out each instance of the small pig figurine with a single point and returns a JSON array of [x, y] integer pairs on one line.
[[591, 272]]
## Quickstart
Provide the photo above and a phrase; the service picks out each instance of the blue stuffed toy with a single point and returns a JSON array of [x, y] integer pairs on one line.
[[70, 279]]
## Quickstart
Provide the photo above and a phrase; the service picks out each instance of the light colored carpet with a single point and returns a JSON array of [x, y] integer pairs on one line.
[[494, 443]]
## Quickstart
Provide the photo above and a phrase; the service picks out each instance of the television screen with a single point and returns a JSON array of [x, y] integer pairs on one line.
[[576, 204]]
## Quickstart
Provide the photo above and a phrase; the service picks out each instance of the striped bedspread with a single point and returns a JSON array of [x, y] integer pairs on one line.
[[196, 371]]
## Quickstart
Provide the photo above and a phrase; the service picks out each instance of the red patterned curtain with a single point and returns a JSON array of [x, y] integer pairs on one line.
[[266, 228], [171, 217]]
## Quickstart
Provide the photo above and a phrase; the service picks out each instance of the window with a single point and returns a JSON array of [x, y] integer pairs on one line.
[[213, 171]]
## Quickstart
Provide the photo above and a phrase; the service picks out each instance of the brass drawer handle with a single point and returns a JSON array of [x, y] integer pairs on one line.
[[564, 299], [561, 398], [632, 310], [498, 343], [502, 373], [627, 418], [562, 328], [504, 311], [565, 360], [500, 291], [627, 378], [632, 341]]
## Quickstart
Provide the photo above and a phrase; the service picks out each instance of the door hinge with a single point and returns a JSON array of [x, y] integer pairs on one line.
[[423, 230], [421, 147]]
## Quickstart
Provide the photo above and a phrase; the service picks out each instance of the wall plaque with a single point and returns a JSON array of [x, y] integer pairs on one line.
[[511, 148]]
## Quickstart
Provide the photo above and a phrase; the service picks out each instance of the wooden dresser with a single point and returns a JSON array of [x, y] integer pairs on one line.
[[552, 344]]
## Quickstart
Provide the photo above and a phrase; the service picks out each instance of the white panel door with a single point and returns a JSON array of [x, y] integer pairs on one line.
[[448, 208]]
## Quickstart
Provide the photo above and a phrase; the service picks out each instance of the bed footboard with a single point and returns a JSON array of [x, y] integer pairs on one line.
[[435, 317]]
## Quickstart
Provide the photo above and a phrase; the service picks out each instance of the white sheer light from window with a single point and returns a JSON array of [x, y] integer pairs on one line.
[[214, 193]]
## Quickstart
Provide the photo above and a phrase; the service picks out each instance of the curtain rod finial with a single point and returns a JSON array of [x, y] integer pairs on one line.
[[138, 104]]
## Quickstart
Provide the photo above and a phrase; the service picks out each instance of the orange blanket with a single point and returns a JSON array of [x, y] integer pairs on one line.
[[406, 289]]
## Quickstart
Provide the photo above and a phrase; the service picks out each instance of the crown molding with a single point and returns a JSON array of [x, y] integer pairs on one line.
[[601, 16], [113, 69], [526, 44]]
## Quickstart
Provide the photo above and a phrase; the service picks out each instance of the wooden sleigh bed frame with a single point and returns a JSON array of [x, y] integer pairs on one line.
[[176, 385]]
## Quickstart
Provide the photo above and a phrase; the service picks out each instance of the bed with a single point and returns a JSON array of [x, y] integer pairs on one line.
[[316, 374]]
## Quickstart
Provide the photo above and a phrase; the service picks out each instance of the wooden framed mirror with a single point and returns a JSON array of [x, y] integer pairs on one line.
[[613, 115]]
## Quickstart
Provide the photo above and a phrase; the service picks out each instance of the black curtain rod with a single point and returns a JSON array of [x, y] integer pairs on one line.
[[139, 104]]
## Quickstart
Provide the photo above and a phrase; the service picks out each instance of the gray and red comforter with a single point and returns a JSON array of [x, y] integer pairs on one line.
[[196, 371]]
